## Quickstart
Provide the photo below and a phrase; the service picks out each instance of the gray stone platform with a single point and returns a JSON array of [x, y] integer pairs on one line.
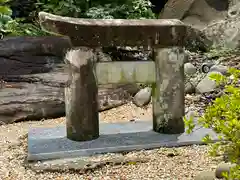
[[51, 143]]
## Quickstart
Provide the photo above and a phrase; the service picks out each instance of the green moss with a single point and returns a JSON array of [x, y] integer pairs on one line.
[[154, 93]]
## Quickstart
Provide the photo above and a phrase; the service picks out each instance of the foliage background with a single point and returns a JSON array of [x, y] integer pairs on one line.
[[19, 17]]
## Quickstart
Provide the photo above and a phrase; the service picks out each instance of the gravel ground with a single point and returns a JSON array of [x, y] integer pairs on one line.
[[173, 163]]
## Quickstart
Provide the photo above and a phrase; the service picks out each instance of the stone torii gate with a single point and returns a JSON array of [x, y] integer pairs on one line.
[[82, 134]]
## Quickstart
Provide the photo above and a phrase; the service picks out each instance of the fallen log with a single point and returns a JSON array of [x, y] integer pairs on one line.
[[32, 80]]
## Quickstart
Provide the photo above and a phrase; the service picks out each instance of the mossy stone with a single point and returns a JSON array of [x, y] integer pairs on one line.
[[223, 167]]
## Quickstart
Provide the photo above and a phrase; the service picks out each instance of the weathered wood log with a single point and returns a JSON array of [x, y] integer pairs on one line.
[[31, 55], [32, 80], [168, 93], [116, 32], [81, 99], [35, 97]]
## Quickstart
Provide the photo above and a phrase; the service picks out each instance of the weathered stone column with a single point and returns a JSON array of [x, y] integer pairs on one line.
[[168, 92], [81, 96]]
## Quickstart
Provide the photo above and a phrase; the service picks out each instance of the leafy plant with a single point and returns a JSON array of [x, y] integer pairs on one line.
[[223, 117], [97, 9], [4, 9], [120, 9], [64, 8], [5, 13], [15, 27], [137, 9]]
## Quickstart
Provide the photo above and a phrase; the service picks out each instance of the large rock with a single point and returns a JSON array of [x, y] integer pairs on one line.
[[189, 88], [189, 69], [143, 97], [223, 168], [197, 13], [217, 21], [204, 12], [220, 68], [224, 33], [175, 9], [196, 40], [207, 84], [33, 77]]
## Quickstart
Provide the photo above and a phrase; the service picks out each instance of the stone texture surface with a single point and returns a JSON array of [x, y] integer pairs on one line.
[[81, 95], [94, 33], [51, 143], [143, 97], [189, 88], [81, 165], [206, 84], [224, 33], [168, 92], [223, 168], [234, 8], [198, 13], [189, 69], [196, 40], [219, 68], [218, 20], [204, 12], [175, 9]]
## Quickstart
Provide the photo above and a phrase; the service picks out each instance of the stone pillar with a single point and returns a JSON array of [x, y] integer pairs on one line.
[[168, 91], [81, 96]]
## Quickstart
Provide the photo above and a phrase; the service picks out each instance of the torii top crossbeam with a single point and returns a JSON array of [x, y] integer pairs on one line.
[[116, 32]]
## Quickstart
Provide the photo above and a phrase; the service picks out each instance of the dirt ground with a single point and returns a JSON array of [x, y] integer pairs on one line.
[[167, 164]]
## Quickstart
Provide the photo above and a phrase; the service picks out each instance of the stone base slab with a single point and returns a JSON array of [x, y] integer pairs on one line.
[[51, 143]]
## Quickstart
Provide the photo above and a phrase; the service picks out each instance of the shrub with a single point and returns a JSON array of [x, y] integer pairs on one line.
[[121, 9], [69, 8], [14, 27], [97, 9], [223, 117], [136, 9]]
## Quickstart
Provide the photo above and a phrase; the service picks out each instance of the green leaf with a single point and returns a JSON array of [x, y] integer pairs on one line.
[[207, 139], [5, 10], [189, 124], [4, 1]]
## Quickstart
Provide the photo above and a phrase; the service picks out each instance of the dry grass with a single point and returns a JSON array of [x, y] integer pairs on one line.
[[173, 164]]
